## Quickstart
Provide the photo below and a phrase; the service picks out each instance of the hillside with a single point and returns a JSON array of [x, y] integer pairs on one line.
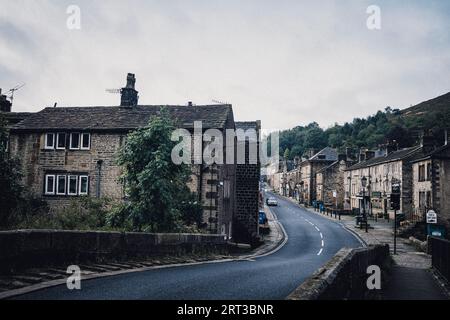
[[404, 126]]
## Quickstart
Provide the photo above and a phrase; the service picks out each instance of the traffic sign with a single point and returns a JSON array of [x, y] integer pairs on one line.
[[431, 216]]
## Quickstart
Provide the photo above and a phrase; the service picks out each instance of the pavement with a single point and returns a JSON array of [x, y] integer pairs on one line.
[[310, 240], [411, 276]]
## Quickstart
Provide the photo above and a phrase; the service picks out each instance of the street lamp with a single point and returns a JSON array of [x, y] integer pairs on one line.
[[364, 184]]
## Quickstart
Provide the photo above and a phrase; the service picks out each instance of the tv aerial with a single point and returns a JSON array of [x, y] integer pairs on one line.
[[114, 91], [11, 91]]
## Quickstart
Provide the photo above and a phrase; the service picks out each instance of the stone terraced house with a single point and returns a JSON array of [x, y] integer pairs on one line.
[[382, 173], [68, 152], [431, 185]]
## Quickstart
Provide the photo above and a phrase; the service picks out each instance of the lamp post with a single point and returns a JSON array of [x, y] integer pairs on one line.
[[364, 184], [349, 179]]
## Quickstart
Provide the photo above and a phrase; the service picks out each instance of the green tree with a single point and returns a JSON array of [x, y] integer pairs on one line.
[[155, 186], [10, 176], [286, 153]]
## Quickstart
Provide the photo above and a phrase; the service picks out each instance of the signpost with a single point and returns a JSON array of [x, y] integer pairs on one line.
[[433, 229]]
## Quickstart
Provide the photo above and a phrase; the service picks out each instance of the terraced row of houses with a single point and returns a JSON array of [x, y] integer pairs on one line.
[[420, 173]]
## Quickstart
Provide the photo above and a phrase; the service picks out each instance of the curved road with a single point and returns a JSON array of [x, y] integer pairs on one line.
[[312, 241]]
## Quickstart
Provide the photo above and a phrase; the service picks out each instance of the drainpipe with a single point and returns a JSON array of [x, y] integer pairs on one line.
[[99, 171]]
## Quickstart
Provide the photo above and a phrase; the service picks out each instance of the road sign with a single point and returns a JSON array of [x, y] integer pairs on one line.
[[431, 217]]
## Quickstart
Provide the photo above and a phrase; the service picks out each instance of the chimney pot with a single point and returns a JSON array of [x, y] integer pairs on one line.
[[5, 105]]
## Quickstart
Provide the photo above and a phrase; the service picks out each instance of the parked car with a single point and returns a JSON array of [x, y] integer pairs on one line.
[[262, 218], [263, 223], [272, 201]]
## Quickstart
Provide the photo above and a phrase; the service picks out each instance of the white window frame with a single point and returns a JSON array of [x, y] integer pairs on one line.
[[81, 141], [47, 176], [46, 146], [57, 185], [87, 185], [68, 185], [57, 141]]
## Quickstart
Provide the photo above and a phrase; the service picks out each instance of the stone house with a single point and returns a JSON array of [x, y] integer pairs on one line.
[[431, 185], [70, 152], [330, 183], [308, 170], [382, 173], [248, 176]]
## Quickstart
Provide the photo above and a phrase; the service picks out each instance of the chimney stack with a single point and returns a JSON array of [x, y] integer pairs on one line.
[[342, 157], [5, 105], [129, 96], [370, 154], [428, 143]]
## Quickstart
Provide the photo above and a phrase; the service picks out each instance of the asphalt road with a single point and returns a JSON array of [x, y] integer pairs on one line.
[[312, 241]]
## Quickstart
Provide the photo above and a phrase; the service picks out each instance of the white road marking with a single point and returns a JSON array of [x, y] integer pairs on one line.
[[320, 252], [317, 229], [321, 235], [322, 243]]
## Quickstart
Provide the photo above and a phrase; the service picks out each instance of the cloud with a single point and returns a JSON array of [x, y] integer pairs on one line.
[[284, 62]]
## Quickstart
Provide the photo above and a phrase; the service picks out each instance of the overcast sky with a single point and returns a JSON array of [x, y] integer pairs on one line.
[[287, 63]]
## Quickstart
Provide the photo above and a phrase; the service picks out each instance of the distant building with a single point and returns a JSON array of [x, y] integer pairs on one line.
[[330, 188], [308, 170]]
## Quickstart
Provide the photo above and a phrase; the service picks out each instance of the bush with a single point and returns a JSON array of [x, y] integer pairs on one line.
[[85, 213]]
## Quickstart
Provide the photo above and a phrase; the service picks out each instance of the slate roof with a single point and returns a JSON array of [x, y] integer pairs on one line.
[[437, 153], [245, 125], [118, 118], [14, 117], [329, 153], [393, 156]]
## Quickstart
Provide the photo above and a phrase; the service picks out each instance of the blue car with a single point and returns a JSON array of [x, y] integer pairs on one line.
[[262, 218]]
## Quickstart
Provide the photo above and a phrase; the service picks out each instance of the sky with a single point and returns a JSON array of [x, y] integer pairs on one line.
[[286, 63]]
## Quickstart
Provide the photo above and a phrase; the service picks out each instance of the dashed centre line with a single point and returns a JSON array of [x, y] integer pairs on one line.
[[320, 233]]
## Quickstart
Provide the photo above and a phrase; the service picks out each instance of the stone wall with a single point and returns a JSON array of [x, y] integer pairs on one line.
[[34, 248], [344, 276]]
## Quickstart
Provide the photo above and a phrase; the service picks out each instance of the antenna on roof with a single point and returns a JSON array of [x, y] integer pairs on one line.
[[218, 102], [11, 91], [114, 91]]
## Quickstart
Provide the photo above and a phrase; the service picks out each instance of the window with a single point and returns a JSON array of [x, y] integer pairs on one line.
[[49, 141], [85, 141], [61, 185], [60, 140], [72, 185], [49, 184], [421, 173], [74, 141], [84, 185], [429, 172]]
